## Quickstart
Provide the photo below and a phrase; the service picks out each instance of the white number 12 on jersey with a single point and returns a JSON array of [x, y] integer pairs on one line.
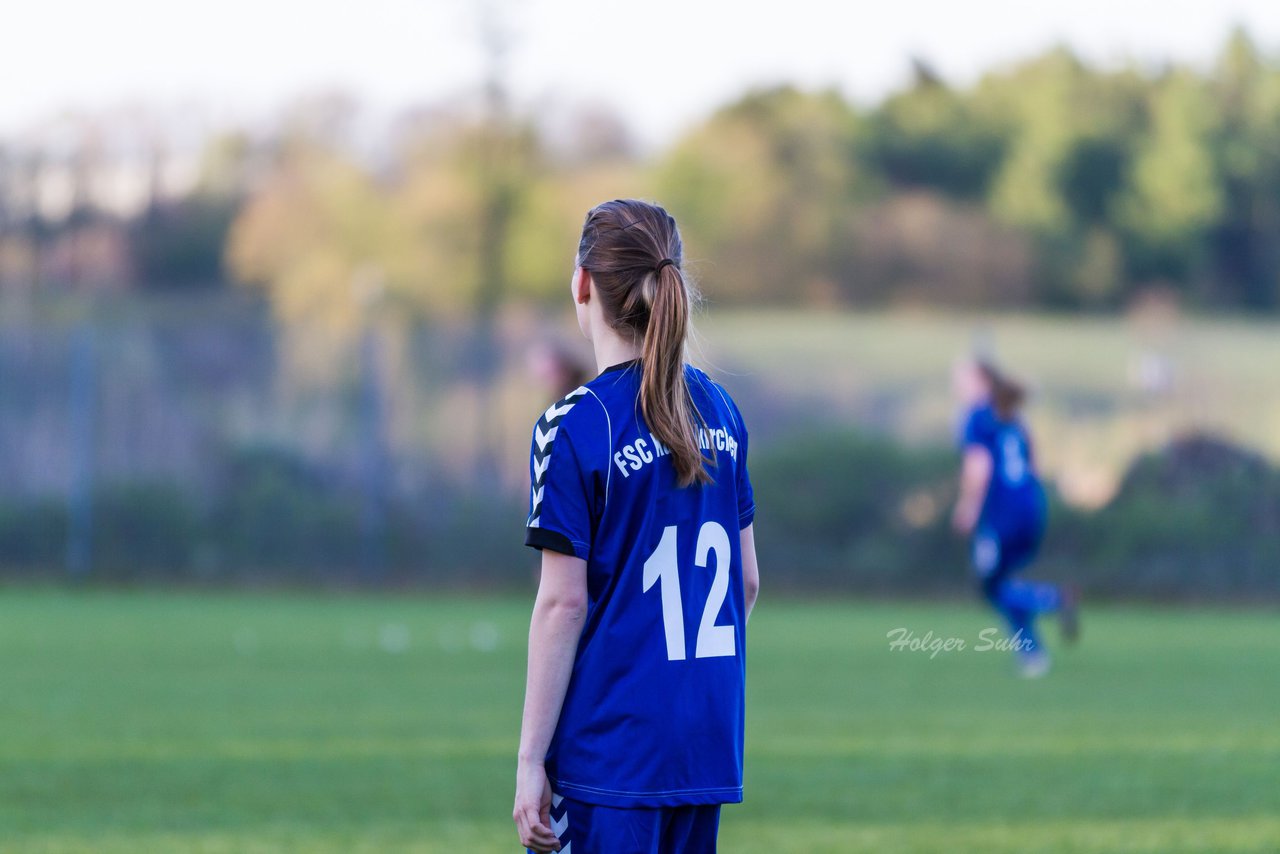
[[713, 640]]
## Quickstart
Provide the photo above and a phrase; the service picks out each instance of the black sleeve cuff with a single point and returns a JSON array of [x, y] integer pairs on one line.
[[541, 538]]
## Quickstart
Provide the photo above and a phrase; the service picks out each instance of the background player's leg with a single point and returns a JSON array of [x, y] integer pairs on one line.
[[1019, 602], [1033, 659], [1037, 597], [1010, 605], [1033, 597]]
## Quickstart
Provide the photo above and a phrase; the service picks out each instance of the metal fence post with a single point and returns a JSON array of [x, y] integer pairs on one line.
[[82, 411], [373, 457]]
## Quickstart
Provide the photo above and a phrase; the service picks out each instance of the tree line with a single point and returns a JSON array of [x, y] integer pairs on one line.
[[1053, 183]]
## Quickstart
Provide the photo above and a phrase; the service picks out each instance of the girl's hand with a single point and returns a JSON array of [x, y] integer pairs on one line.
[[532, 813]]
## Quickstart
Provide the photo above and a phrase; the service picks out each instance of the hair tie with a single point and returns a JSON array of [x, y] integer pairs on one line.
[[663, 263]]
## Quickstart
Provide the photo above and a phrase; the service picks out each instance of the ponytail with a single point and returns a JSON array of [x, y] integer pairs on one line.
[[664, 394], [1007, 395], [632, 250]]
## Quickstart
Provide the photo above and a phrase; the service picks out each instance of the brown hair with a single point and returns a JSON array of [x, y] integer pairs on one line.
[[626, 246], [1007, 394]]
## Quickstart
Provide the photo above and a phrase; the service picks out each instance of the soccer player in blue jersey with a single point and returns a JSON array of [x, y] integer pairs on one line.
[[642, 508], [1002, 509]]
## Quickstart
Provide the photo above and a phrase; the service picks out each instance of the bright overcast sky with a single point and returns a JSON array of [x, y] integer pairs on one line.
[[660, 63]]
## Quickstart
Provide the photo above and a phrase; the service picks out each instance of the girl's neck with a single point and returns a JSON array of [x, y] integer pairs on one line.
[[612, 349]]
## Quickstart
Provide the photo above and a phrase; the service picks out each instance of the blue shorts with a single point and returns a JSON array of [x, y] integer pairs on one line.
[[998, 553], [1007, 537], [996, 556], [592, 829]]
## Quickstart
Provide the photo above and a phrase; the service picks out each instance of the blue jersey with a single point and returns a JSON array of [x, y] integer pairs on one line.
[[653, 716], [1014, 497]]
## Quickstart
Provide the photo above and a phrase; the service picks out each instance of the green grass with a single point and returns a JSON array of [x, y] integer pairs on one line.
[[134, 722]]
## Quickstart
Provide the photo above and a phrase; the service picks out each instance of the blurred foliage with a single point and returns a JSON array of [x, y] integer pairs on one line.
[[1049, 183], [144, 529], [843, 511], [321, 237], [276, 518], [180, 245], [33, 534], [1059, 182], [277, 512], [846, 510], [766, 191], [931, 136], [1198, 518], [468, 215]]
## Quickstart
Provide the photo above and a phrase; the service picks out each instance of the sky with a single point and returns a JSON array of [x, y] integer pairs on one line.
[[661, 64]]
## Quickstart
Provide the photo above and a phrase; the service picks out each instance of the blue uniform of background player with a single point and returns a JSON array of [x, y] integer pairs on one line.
[[1002, 508], [633, 727]]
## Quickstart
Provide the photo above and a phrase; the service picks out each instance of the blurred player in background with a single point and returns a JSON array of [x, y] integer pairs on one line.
[[1002, 509], [558, 365], [641, 505]]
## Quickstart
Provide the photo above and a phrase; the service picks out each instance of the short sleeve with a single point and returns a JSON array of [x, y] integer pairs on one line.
[[746, 495], [978, 429], [559, 495]]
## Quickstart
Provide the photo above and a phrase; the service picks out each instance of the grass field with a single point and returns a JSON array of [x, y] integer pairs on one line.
[[151, 722]]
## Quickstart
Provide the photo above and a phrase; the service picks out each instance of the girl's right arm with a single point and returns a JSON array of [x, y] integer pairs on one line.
[[975, 477], [558, 616]]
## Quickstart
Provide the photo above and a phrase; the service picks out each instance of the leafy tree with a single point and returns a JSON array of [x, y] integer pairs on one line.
[[321, 238], [1246, 238], [1053, 181], [1092, 175], [1040, 103], [439, 190], [1174, 195], [766, 190], [933, 136], [180, 244], [1069, 158]]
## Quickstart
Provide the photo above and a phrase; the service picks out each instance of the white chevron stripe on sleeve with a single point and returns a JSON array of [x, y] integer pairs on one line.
[[543, 438], [557, 409], [563, 405], [540, 467], [559, 827]]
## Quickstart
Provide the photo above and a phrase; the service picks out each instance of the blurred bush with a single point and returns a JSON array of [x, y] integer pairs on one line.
[[277, 512], [841, 511], [33, 534], [277, 519], [1197, 519], [144, 529], [847, 510]]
